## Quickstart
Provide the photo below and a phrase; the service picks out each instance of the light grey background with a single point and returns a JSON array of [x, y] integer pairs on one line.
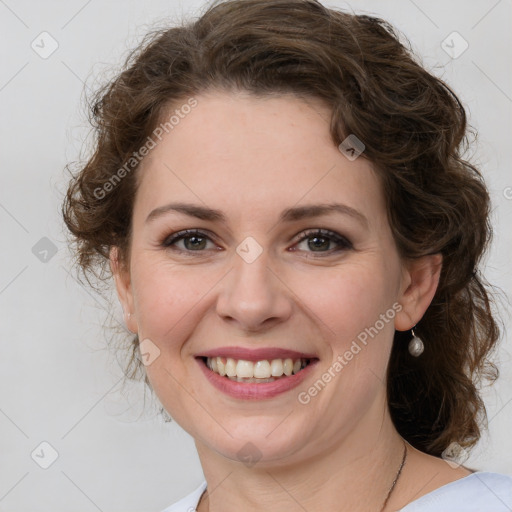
[[58, 382]]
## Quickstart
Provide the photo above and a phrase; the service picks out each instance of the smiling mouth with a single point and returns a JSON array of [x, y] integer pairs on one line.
[[266, 370]]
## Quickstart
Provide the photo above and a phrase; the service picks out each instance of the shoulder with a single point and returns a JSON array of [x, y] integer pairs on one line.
[[479, 491], [189, 502]]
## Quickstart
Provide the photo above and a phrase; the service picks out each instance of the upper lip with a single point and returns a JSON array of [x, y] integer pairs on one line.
[[255, 354]]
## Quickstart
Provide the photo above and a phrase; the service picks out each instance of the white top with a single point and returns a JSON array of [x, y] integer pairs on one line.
[[481, 491]]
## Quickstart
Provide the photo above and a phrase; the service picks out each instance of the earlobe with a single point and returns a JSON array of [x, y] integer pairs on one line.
[[420, 287], [123, 288]]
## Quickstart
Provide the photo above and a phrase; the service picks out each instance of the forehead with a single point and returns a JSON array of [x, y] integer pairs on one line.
[[238, 152]]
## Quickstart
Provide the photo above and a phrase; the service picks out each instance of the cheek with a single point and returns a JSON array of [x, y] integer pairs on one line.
[[163, 295], [347, 299], [168, 300], [171, 301]]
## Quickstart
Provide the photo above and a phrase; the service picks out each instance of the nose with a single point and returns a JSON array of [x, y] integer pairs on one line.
[[253, 297]]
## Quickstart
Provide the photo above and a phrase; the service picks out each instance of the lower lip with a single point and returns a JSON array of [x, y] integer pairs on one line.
[[255, 391]]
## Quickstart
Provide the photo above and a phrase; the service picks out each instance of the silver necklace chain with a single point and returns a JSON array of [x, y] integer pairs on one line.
[[396, 478]]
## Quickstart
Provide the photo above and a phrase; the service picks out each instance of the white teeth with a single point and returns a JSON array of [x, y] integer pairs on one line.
[[221, 367], [245, 369], [260, 371], [230, 367], [276, 367]]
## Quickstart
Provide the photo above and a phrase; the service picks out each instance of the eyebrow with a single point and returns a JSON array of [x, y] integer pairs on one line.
[[288, 215]]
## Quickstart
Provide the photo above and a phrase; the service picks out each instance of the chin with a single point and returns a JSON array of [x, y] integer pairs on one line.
[[263, 444]]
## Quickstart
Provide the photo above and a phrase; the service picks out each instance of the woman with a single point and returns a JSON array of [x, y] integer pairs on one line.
[[280, 193]]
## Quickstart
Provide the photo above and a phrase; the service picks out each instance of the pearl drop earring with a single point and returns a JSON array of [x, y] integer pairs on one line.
[[416, 346]]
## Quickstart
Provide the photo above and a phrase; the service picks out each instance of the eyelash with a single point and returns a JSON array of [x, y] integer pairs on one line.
[[343, 242]]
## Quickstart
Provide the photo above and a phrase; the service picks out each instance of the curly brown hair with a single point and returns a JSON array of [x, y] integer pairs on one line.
[[415, 131]]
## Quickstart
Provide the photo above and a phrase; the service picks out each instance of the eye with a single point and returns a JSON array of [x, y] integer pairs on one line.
[[193, 240], [322, 238]]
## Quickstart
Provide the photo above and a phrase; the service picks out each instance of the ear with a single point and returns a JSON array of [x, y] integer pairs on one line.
[[419, 285], [124, 289]]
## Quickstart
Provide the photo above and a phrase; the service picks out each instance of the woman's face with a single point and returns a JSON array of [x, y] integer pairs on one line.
[[257, 283]]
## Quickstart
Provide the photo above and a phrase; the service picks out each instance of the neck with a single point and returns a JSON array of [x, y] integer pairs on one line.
[[354, 474]]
